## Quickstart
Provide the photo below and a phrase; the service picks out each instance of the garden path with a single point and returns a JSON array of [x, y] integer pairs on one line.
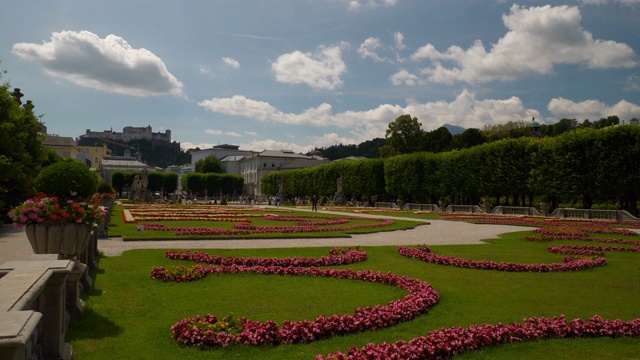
[[14, 245]]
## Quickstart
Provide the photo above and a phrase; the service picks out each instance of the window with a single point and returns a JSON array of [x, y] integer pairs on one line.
[[273, 165]]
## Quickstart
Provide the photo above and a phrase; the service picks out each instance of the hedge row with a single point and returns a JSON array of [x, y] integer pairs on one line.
[[586, 165]]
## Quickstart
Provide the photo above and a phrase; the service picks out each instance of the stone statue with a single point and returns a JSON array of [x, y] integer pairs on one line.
[[339, 198]]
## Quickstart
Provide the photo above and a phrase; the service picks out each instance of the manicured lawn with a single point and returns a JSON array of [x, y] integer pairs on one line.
[[129, 315]]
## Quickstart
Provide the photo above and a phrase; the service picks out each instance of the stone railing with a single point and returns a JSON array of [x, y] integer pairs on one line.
[[390, 205], [515, 210], [464, 208], [422, 207], [33, 308], [619, 215]]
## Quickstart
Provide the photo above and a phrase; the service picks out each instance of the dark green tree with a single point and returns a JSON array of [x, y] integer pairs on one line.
[[21, 150], [469, 138], [210, 164], [118, 181], [438, 140], [405, 135], [170, 182]]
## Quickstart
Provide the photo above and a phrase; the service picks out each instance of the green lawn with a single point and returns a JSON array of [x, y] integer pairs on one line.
[[129, 315]]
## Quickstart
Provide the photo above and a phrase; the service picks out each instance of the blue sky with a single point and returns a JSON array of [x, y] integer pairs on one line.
[[298, 74]]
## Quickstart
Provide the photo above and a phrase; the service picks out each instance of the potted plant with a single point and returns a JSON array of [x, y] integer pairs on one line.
[[60, 219]]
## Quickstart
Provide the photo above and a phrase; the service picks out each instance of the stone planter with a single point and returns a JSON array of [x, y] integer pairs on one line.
[[66, 239]]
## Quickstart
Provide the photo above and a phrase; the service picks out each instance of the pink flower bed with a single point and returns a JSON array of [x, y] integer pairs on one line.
[[446, 343], [337, 256], [197, 331], [242, 225], [569, 264]]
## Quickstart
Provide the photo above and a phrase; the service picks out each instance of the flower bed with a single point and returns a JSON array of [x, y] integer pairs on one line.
[[208, 332], [569, 263], [337, 256], [446, 343], [241, 220]]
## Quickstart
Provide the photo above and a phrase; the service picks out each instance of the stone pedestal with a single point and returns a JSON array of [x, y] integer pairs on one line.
[[74, 289]]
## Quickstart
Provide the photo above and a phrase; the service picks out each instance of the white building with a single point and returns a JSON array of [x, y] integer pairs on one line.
[[256, 165], [220, 152]]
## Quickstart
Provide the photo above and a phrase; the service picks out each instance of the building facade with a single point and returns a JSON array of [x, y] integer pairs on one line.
[[257, 165]]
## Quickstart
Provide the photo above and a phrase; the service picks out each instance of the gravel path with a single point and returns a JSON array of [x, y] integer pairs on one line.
[[15, 246]]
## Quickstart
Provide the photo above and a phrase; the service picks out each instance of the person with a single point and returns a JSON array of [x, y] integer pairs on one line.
[[314, 203]]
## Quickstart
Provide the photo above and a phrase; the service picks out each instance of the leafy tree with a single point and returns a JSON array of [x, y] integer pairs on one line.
[[438, 140], [210, 164], [155, 181], [511, 129], [21, 150], [469, 138], [118, 181], [170, 182], [405, 134]]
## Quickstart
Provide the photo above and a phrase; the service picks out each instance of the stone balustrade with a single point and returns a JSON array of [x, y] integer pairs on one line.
[[515, 210], [33, 308], [421, 207], [619, 215], [464, 208], [389, 205]]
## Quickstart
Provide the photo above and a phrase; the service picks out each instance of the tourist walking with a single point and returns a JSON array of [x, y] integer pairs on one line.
[[314, 203]]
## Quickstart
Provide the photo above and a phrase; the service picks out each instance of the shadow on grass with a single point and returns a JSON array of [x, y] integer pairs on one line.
[[91, 325]]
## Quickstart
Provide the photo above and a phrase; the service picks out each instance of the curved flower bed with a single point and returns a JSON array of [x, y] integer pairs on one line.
[[204, 331], [569, 264], [445, 343], [337, 256], [589, 250], [246, 228]]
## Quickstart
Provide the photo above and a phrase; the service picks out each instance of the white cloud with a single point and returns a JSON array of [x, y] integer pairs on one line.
[[632, 83], [108, 64], [465, 110], [538, 39], [604, 2], [358, 4], [592, 109], [320, 70], [220, 132], [186, 145], [399, 39], [251, 133], [406, 78], [231, 62], [205, 70], [368, 49], [271, 144]]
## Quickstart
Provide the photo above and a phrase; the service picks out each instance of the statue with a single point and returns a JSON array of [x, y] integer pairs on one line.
[[139, 190], [339, 198]]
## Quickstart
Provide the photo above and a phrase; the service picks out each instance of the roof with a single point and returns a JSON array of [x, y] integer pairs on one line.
[[124, 163]]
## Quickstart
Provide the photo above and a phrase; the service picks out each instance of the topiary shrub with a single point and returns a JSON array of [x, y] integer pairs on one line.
[[66, 180], [223, 201], [104, 187]]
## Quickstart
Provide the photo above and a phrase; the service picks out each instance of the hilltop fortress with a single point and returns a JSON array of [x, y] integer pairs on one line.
[[129, 133]]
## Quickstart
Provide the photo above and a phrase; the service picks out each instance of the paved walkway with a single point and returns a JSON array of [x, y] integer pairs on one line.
[[15, 246]]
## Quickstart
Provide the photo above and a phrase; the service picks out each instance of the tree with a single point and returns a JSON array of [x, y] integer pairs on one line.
[[170, 182], [118, 181], [405, 134], [21, 150], [469, 138], [210, 164], [511, 129], [438, 140]]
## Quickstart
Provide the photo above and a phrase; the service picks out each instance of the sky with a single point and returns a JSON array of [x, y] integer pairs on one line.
[[300, 74]]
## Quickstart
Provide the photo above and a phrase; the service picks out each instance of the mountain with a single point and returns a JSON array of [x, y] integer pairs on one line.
[[454, 129]]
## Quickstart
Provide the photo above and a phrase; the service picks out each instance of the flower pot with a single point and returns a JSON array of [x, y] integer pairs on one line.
[[66, 239]]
